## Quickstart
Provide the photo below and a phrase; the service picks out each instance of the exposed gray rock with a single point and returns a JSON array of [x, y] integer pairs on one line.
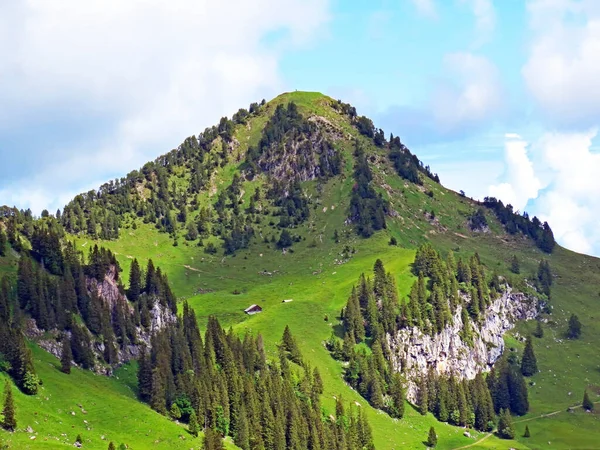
[[448, 354], [108, 291]]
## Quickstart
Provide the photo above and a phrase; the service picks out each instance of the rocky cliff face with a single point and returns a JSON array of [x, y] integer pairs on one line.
[[305, 156], [414, 352], [108, 291]]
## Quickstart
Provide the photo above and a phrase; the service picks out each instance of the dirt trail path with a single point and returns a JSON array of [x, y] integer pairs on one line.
[[475, 443]]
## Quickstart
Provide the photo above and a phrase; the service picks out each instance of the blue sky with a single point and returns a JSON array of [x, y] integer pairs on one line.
[[500, 97]]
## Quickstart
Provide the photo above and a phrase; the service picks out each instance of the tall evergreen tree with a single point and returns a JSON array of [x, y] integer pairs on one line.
[[574, 330], [527, 433], [66, 355], [193, 427], [432, 438], [506, 429], [423, 398], [587, 404], [212, 440], [529, 361], [111, 446], [135, 281], [9, 422]]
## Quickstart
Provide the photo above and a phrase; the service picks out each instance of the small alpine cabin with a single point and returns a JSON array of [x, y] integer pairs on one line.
[[253, 309]]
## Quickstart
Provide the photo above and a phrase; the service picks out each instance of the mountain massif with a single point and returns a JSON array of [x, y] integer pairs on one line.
[[293, 278]]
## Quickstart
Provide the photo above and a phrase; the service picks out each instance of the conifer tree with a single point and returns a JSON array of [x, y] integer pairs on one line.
[[519, 402], [422, 398], [539, 331], [135, 281], [9, 422], [111, 446], [587, 404], [432, 438], [242, 432], [175, 412], [574, 327], [506, 429], [66, 355], [527, 433], [193, 424], [529, 361], [288, 344], [397, 394]]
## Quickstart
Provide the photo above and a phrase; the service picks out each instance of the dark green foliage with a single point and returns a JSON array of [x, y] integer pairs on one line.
[[587, 404], [406, 164], [66, 355], [574, 331], [135, 281], [477, 221], [212, 440], [16, 355], [544, 277], [527, 433], [515, 266], [289, 345], [3, 243], [393, 241], [285, 239], [210, 249], [111, 446], [528, 361], [9, 420], [506, 429], [539, 331], [431, 438], [193, 427], [231, 389], [367, 208], [365, 126], [79, 439], [513, 223], [508, 388]]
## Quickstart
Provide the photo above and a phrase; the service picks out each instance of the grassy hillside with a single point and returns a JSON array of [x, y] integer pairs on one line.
[[318, 276], [100, 409]]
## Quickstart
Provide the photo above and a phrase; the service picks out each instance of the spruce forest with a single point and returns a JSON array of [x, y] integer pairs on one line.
[[293, 278]]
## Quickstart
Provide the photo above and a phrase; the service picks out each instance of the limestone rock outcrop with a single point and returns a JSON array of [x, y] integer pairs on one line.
[[414, 352]]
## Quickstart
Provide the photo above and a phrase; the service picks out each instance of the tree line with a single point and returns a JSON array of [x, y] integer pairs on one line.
[[514, 223], [226, 386]]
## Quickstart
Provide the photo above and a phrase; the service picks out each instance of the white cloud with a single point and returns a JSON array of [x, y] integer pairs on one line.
[[521, 183], [473, 96], [426, 8], [161, 70], [571, 201], [563, 69], [557, 178], [485, 19]]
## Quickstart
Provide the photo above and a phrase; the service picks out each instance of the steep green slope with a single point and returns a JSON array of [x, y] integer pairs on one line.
[[318, 274], [98, 408]]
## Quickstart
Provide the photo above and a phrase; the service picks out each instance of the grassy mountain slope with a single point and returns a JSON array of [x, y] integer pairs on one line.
[[98, 408], [318, 275]]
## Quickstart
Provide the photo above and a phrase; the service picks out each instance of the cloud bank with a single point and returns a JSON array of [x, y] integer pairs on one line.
[[149, 73]]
